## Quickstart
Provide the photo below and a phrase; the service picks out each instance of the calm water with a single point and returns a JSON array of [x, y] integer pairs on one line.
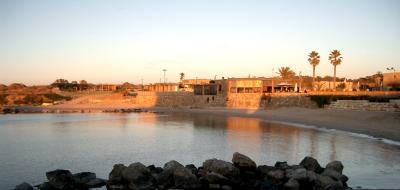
[[30, 145]]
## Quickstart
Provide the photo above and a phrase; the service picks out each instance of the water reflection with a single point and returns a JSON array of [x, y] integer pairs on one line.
[[33, 144]]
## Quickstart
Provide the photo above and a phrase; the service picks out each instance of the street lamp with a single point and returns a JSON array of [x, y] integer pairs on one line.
[[394, 71], [164, 70]]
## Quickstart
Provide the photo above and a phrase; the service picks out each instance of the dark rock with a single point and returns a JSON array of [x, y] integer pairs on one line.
[[138, 177], [297, 174], [335, 165], [222, 167], [192, 168], [268, 185], [276, 175], [83, 177], [335, 186], [326, 182], [332, 173], [185, 179], [177, 176], [116, 187], [24, 186], [311, 164], [215, 178], [281, 165], [115, 175], [60, 179], [214, 186], [243, 162], [95, 183], [166, 178], [311, 176], [263, 170], [154, 169], [344, 179], [292, 184], [226, 187]]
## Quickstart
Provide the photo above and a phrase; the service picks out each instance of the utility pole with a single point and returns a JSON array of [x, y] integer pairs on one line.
[[165, 70], [300, 80], [272, 82]]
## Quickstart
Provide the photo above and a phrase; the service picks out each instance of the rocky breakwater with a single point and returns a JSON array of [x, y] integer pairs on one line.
[[241, 173]]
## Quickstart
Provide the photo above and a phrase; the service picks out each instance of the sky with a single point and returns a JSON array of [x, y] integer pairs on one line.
[[126, 41]]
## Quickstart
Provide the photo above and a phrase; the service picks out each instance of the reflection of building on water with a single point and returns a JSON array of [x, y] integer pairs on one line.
[[244, 134], [277, 141]]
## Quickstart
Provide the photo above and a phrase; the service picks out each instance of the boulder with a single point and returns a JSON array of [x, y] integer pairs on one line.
[[263, 170], [243, 162], [276, 175], [192, 168], [311, 164], [115, 175], [95, 183], [44, 186], [331, 173], [116, 187], [23, 186], [184, 178], [60, 179], [221, 167], [83, 177], [138, 176], [268, 185], [215, 178], [154, 169], [311, 176], [165, 179], [297, 174], [326, 182], [335, 165], [292, 184], [176, 175], [281, 165]]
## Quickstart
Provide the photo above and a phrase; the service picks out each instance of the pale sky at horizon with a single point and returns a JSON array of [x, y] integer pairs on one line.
[[126, 41]]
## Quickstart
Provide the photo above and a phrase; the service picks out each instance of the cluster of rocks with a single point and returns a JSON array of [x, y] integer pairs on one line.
[[65, 180], [129, 110], [9, 110], [241, 173]]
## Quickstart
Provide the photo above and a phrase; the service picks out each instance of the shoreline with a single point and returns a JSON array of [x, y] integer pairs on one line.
[[375, 124]]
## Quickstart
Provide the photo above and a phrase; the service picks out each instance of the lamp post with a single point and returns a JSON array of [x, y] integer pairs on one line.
[[394, 71], [164, 70]]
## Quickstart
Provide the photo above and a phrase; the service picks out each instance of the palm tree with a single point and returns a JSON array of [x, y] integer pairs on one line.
[[182, 76], [336, 59], [314, 61], [286, 72]]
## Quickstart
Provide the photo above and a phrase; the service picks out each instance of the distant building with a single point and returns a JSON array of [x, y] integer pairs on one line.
[[391, 80], [162, 87], [105, 87], [188, 84], [329, 86], [245, 85]]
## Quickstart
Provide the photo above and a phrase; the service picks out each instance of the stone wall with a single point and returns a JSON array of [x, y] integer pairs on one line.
[[238, 100], [365, 105]]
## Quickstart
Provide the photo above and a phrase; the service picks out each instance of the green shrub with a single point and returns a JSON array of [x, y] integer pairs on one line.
[[32, 99], [56, 97], [322, 100]]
